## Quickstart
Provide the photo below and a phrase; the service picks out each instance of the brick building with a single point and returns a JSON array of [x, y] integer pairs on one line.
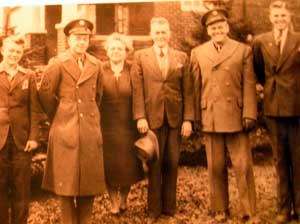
[[43, 24]]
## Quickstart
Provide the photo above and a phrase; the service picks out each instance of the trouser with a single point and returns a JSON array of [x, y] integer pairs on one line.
[[15, 177], [237, 145], [163, 172], [76, 210], [285, 138]]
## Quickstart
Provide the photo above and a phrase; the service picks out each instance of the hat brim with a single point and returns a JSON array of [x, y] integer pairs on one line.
[[204, 17]]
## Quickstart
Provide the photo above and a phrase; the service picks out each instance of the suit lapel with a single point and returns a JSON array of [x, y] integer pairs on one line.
[[154, 63], [4, 80], [19, 77], [227, 50], [290, 44], [271, 47], [172, 62], [71, 66], [89, 69]]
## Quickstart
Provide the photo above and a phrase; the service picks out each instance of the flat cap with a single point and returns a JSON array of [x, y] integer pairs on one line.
[[213, 16], [79, 26]]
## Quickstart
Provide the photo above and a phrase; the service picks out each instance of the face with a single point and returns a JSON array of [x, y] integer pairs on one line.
[[12, 53], [160, 34], [78, 43], [218, 31], [116, 51], [280, 18]]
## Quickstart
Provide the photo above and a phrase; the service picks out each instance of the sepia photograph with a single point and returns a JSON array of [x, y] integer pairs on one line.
[[144, 112]]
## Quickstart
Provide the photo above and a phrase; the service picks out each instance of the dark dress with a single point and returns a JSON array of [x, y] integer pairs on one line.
[[122, 168]]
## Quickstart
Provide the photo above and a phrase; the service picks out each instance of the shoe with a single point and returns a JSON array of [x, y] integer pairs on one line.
[[251, 219], [123, 207], [295, 216], [220, 216], [283, 218], [114, 211]]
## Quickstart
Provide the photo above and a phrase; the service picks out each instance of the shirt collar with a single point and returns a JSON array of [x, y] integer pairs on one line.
[[284, 33], [117, 68], [157, 50], [18, 69]]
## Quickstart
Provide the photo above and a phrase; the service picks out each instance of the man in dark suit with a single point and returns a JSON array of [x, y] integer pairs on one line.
[[163, 102], [226, 107], [277, 66], [19, 131]]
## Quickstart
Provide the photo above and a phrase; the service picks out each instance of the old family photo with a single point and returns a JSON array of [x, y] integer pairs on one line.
[[150, 112]]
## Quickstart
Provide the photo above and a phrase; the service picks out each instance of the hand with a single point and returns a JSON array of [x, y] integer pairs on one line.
[[142, 125], [186, 129], [248, 124], [31, 145]]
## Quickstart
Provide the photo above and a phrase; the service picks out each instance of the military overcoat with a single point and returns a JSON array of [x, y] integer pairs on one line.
[[71, 98], [224, 86]]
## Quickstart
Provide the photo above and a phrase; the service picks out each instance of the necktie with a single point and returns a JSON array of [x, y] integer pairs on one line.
[[279, 41], [162, 62], [161, 53], [80, 64], [218, 47]]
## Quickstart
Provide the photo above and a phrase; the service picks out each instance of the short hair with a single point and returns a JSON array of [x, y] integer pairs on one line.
[[125, 40], [16, 39], [279, 4], [159, 20]]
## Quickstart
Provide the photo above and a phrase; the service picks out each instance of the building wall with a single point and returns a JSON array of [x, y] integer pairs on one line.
[[181, 22]]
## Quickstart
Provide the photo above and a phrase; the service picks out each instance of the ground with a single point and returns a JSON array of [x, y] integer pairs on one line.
[[192, 201]]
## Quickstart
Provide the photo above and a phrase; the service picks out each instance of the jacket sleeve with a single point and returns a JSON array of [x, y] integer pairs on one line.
[[36, 113], [137, 81], [249, 86], [258, 62], [188, 92], [48, 92], [194, 70]]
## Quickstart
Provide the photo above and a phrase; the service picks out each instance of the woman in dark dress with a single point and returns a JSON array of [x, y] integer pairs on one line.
[[122, 168]]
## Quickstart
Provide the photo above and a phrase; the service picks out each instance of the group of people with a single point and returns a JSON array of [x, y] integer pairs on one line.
[[98, 110]]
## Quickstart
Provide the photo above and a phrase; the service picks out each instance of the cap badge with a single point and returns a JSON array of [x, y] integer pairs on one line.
[[215, 13], [81, 23]]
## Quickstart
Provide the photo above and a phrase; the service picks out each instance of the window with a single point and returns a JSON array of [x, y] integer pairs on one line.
[[193, 5]]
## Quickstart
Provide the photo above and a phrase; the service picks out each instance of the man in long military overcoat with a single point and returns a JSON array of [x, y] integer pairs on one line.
[[70, 93], [277, 66], [226, 107]]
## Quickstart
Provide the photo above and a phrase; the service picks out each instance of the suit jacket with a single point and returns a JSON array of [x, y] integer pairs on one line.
[[155, 96], [19, 108], [224, 86], [71, 98], [279, 74]]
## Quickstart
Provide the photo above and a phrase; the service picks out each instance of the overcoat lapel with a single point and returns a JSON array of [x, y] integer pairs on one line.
[[210, 51], [271, 47], [226, 52], [288, 47], [89, 69], [71, 66]]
